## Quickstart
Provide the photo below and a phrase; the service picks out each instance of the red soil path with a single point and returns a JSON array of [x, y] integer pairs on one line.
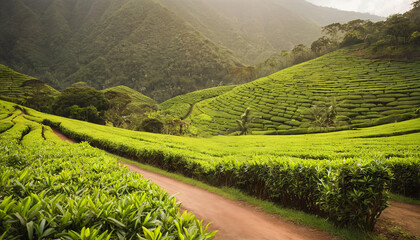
[[235, 220], [62, 137], [404, 215]]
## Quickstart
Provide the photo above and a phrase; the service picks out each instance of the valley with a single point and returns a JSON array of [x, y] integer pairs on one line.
[[196, 120]]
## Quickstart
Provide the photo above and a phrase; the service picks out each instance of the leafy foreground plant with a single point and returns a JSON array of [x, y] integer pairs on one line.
[[52, 190]]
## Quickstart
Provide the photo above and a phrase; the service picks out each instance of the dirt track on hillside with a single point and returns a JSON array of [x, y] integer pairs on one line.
[[237, 220], [62, 137]]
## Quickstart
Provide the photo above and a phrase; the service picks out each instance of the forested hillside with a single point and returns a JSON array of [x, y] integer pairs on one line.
[[158, 49], [107, 43], [256, 29]]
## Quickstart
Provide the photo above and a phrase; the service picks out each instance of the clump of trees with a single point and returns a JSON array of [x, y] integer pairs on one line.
[[159, 122], [398, 35], [82, 103], [324, 115]]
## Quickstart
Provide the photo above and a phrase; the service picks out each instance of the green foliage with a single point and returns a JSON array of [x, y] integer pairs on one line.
[[151, 125], [50, 189], [324, 117], [82, 103], [128, 108], [244, 122], [288, 170], [357, 190]]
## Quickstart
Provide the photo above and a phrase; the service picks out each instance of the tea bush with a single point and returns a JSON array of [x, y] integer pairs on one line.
[[50, 189]]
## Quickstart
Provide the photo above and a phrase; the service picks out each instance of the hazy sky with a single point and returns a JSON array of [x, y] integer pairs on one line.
[[378, 7]]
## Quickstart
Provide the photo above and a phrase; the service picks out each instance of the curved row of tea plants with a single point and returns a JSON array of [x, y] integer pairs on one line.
[[343, 175], [367, 93], [20, 88], [50, 189], [137, 98], [181, 106]]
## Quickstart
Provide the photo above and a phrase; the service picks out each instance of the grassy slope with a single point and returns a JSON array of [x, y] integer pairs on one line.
[[366, 91], [180, 106], [137, 98], [14, 86]]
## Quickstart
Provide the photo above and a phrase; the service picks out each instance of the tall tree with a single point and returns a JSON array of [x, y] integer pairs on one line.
[[399, 26]]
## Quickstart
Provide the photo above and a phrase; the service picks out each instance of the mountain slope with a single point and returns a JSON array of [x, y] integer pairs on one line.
[[105, 43], [26, 90], [255, 29], [367, 92]]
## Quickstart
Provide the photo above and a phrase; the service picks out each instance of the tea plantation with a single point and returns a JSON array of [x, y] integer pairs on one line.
[[181, 106], [18, 88], [367, 92], [137, 98], [343, 175], [50, 189]]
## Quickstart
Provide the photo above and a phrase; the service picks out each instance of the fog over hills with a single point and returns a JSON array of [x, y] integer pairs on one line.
[[255, 29]]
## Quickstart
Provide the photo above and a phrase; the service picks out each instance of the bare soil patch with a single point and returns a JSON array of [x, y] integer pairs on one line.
[[62, 136]]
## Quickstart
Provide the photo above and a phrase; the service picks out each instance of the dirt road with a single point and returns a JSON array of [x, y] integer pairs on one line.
[[234, 220]]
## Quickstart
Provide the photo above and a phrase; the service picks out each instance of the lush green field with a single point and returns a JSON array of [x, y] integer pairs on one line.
[[343, 175], [51, 189], [367, 92], [182, 105]]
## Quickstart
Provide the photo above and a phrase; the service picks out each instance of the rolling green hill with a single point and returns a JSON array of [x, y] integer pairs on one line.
[[26, 90], [181, 106], [105, 43], [367, 92], [256, 29], [137, 98]]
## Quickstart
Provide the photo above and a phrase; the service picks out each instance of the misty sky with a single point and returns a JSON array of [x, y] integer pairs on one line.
[[378, 7]]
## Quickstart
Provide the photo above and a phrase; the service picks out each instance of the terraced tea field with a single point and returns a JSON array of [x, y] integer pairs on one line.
[[137, 99], [368, 93], [181, 106], [18, 88]]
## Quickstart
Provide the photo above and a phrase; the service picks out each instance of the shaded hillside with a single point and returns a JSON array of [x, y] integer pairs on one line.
[[367, 92], [255, 29], [106, 43], [26, 90]]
